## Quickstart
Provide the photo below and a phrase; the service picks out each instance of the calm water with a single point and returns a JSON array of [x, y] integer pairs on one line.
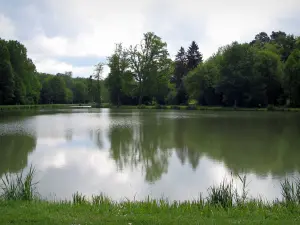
[[131, 153]]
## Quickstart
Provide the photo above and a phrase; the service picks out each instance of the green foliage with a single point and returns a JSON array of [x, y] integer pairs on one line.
[[79, 199], [149, 64], [185, 62], [256, 74], [120, 80], [98, 77], [20, 187], [194, 57], [176, 107], [180, 71], [201, 82], [270, 71], [222, 195], [7, 83], [141, 107], [290, 192], [292, 78], [20, 83], [58, 91]]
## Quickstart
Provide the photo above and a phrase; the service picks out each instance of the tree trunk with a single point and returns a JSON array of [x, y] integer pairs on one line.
[[140, 99], [141, 94], [118, 101]]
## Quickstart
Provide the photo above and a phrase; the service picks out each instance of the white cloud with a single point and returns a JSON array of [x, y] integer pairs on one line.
[[216, 23], [7, 29], [53, 66], [102, 24]]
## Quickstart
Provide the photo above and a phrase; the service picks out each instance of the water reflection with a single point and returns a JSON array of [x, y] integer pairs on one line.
[[137, 153], [14, 151]]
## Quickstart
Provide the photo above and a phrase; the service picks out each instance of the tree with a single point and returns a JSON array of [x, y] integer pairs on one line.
[[90, 88], [69, 96], [201, 82], [147, 59], [284, 43], [194, 57], [180, 72], [80, 92], [292, 78], [261, 39], [67, 77], [33, 84], [6, 75], [58, 90], [180, 69], [238, 84], [98, 76], [18, 57], [119, 79], [269, 67]]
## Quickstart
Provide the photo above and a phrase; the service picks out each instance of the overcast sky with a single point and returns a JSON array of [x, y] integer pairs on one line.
[[73, 35]]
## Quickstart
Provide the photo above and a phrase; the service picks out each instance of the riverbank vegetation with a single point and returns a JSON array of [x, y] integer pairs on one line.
[[262, 73], [21, 204]]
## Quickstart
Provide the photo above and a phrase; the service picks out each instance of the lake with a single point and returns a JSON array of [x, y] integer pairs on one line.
[[136, 153]]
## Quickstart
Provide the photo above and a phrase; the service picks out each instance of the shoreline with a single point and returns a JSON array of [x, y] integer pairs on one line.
[[4, 108], [20, 203]]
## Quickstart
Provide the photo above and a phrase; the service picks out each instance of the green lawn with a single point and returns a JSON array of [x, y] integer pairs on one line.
[[18, 212]]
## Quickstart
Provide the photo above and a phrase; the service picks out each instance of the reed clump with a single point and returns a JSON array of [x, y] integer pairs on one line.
[[19, 187]]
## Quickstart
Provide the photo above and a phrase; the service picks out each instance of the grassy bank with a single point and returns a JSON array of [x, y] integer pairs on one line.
[[161, 107], [203, 108], [32, 107], [20, 204], [126, 213]]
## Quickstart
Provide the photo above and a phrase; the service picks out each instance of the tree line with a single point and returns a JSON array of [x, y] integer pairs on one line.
[[20, 83], [265, 71]]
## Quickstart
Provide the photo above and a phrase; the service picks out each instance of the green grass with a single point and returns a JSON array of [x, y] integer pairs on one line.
[[203, 108], [157, 106], [41, 106], [224, 205], [147, 212]]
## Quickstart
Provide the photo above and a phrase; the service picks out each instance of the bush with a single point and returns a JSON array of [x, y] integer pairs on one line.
[[105, 105], [157, 106], [176, 107], [271, 108], [141, 106], [191, 107]]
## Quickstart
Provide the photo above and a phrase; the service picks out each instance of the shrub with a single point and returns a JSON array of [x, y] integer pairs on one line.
[[176, 107]]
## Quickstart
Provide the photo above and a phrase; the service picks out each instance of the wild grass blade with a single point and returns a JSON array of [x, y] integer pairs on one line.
[[19, 186]]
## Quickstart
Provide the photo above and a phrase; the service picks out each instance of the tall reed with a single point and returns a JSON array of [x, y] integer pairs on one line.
[[19, 187], [290, 191]]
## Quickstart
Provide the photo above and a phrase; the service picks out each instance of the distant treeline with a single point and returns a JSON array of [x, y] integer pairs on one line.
[[264, 72], [20, 83]]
